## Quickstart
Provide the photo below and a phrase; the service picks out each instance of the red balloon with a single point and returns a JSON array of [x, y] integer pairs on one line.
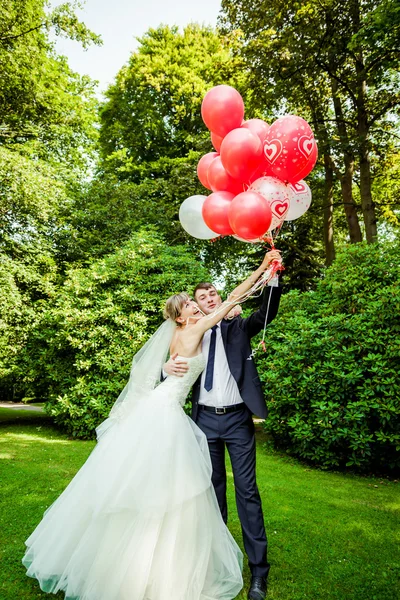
[[222, 109], [250, 215], [216, 212], [241, 153], [258, 127], [220, 180], [202, 167], [289, 148], [216, 141]]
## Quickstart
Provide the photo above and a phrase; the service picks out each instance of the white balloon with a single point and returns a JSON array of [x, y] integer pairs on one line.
[[191, 218], [300, 200], [277, 195]]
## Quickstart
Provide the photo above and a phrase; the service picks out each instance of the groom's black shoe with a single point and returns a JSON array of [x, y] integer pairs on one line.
[[258, 588]]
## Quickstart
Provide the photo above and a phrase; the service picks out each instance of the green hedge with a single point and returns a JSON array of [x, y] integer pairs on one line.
[[26, 283], [332, 372], [78, 355]]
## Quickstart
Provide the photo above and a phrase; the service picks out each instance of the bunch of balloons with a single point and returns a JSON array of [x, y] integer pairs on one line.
[[255, 175]]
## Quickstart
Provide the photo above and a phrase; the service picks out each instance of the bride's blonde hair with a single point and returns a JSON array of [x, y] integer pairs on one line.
[[173, 306]]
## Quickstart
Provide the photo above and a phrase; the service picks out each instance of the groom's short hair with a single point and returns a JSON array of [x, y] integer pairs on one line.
[[203, 285]]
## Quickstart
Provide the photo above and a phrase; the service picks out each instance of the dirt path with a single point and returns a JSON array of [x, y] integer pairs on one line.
[[20, 406]]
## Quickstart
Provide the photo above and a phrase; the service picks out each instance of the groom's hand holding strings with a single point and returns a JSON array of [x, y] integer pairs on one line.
[[176, 366]]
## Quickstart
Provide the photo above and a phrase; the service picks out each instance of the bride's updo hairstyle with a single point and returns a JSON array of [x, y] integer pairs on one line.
[[173, 306]]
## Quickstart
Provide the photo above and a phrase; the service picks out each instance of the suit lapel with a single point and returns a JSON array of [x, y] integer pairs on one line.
[[224, 331]]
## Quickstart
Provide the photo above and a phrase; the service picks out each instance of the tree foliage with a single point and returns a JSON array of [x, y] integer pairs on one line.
[[153, 109], [46, 110], [47, 134]]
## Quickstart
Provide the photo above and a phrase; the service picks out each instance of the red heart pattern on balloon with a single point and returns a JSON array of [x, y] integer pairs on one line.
[[281, 209], [272, 150], [306, 145], [298, 188]]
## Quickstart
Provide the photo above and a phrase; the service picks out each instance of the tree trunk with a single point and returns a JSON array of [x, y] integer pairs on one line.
[[325, 147], [328, 212], [346, 179], [367, 204]]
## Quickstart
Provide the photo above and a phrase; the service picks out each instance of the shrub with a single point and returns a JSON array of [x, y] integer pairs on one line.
[[26, 282], [78, 356], [332, 370]]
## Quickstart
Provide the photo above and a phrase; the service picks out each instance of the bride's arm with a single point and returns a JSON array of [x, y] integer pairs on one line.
[[214, 317]]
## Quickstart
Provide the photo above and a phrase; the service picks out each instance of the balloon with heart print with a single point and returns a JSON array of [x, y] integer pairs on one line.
[[202, 168], [310, 165], [290, 148], [216, 212], [249, 215], [220, 180], [222, 109], [190, 216], [300, 200], [277, 195]]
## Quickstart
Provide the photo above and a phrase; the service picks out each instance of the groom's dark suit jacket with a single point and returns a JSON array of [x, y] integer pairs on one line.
[[236, 335]]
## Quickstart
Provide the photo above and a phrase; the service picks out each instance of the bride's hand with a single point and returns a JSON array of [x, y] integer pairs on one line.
[[235, 312]]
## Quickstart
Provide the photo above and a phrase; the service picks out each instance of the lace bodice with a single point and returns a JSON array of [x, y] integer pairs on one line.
[[176, 389]]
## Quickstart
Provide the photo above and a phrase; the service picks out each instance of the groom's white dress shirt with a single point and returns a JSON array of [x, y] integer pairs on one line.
[[224, 391]]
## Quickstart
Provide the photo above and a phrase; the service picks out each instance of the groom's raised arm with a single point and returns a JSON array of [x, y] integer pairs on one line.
[[269, 308]]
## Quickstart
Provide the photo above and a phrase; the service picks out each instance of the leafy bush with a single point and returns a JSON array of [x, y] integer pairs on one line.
[[78, 355], [26, 282], [332, 371]]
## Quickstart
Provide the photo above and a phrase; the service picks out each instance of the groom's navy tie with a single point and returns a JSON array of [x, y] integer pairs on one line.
[[208, 383]]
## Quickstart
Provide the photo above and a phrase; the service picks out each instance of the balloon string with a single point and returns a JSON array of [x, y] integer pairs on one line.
[[277, 268]]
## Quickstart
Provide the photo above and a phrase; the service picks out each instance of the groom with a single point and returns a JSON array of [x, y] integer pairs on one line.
[[224, 399]]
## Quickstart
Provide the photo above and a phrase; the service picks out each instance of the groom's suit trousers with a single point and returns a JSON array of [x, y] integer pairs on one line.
[[236, 431]]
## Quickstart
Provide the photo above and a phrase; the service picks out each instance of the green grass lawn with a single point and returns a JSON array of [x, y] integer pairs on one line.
[[331, 536]]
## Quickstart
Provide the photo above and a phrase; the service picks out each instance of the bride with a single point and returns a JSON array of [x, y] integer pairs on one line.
[[140, 520]]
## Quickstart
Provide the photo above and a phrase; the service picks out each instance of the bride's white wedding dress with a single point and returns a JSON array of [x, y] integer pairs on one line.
[[140, 520]]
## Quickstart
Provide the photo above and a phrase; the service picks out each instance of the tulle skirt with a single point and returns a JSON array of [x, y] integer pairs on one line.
[[140, 520]]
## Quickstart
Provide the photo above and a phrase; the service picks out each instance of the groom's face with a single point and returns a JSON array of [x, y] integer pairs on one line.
[[208, 299]]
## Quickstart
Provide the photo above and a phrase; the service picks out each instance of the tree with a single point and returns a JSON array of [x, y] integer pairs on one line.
[[31, 193], [306, 44], [47, 135], [46, 110], [153, 109]]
